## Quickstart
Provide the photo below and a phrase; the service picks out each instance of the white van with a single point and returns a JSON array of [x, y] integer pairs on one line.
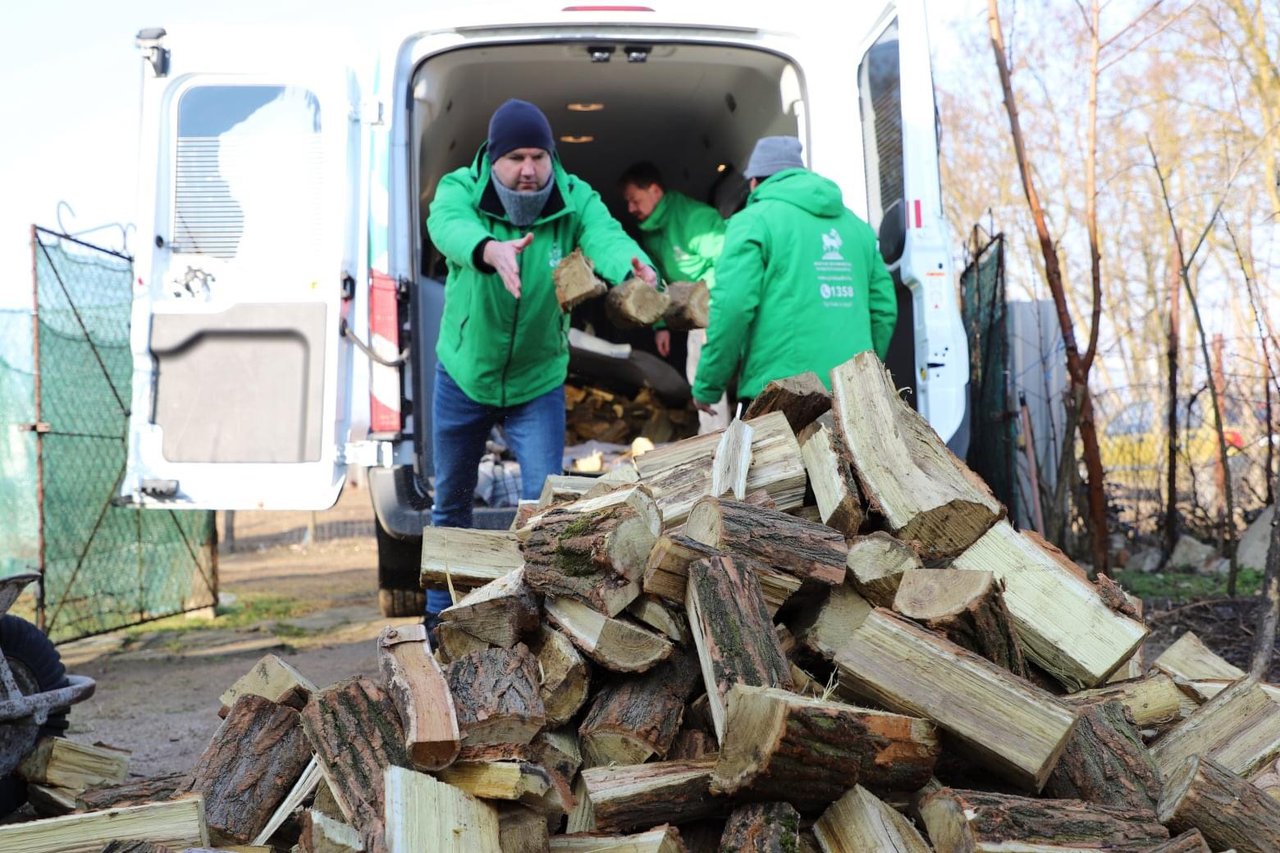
[[286, 266]]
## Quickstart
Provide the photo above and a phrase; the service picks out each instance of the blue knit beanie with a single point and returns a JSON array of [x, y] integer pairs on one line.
[[518, 124]]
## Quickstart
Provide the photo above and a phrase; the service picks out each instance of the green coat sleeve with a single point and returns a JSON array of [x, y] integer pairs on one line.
[[709, 243], [453, 221], [882, 302], [605, 242], [739, 275]]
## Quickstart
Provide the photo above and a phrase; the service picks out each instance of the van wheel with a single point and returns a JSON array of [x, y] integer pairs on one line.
[[402, 602], [399, 569], [36, 667]]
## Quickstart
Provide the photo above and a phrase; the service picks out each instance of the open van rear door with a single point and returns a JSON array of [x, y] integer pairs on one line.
[[250, 195], [929, 352]]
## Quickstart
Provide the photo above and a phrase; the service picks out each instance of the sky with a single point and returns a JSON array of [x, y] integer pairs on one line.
[[69, 84]]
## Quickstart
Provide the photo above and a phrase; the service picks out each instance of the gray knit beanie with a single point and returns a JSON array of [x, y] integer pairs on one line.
[[773, 154]]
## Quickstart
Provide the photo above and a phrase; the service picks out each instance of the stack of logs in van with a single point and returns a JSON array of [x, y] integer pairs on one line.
[[812, 631]]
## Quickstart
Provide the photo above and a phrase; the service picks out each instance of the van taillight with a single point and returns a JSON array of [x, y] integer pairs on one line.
[[384, 339]]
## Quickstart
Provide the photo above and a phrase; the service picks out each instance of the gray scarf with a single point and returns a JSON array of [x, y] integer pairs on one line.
[[522, 207]]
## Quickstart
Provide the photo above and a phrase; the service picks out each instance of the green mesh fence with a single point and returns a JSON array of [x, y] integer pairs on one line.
[[65, 409], [993, 445]]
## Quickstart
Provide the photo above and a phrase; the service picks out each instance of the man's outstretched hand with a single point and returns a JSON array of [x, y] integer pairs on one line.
[[644, 272], [503, 256]]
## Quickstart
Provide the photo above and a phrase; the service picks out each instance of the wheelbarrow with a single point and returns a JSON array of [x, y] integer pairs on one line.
[[35, 690]]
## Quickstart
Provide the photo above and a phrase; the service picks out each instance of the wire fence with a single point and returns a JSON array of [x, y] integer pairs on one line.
[[65, 387]]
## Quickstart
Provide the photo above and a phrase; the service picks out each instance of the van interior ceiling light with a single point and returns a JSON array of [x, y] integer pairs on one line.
[[584, 107], [637, 52], [574, 140], [600, 53]]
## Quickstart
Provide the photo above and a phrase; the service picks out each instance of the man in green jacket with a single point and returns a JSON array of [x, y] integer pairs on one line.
[[684, 237], [800, 284], [503, 224]]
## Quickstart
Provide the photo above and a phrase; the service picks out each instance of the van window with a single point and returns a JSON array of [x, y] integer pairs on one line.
[[879, 81], [245, 152]]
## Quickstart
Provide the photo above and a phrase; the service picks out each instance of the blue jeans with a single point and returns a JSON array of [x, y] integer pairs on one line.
[[459, 428]]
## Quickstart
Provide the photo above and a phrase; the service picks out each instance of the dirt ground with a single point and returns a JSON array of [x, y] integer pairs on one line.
[[157, 693]]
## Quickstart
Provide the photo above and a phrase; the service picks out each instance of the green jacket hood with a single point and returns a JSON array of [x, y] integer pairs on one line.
[[806, 190]]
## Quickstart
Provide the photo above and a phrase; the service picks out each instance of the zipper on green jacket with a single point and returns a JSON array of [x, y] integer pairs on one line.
[[511, 346]]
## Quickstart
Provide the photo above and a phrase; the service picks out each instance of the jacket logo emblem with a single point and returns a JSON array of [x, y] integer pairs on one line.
[[555, 257], [831, 244]]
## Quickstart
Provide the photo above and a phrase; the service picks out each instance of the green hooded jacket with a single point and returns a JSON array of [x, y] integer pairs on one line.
[[504, 351], [800, 286], [684, 237]]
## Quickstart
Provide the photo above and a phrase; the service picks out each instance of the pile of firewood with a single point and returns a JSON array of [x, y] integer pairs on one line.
[[814, 631], [594, 414]]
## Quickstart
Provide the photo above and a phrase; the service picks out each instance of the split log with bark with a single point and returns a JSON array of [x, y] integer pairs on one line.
[[576, 281], [801, 398], [1228, 811], [965, 607], [421, 694], [690, 306], [635, 303]]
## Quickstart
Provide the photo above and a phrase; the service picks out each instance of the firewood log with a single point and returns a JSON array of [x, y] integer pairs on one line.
[[1005, 723], [732, 631], [650, 610], [1189, 659], [576, 281], [831, 478], [634, 303], [62, 763], [626, 797], [808, 752], [983, 822], [496, 696], [425, 814], [667, 571], [906, 472], [271, 678], [468, 558], [1190, 841], [1151, 702], [633, 719], [859, 821], [1105, 761], [802, 398], [783, 542], [762, 828], [1229, 812], [564, 488], [680, 473], [421, 694], [355, 730], [249, 767], [1065, 626], [690, 306], [660, 839], [319, 833], [876, 563], [597, 556], [616, 644], [174, 825], [1239, 728], [732, 460], [965, 607], [564, 677], [501, 613], [522, 830]]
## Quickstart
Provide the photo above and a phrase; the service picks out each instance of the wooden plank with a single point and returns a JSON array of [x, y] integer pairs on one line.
[[905, 470], [1065, 626], [468, 558], [1005, 723], [421, 695], [425, 814], [177, 824]]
